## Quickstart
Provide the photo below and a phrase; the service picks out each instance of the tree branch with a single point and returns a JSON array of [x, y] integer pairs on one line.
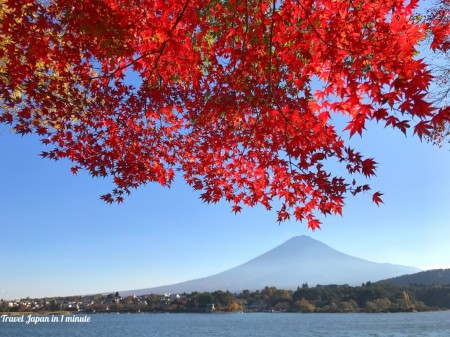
[[270, 45]]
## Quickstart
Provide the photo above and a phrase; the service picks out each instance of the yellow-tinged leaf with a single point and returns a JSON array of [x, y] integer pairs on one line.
[[17, 94]]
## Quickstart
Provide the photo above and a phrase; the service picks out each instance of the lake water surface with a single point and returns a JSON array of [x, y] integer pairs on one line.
[[436, 324]]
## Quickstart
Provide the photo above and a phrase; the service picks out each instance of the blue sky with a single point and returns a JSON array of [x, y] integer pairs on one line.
[[59, 238]]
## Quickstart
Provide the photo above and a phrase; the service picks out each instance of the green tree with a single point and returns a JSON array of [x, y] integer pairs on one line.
[[280, 296], [378, 305], [223, 298], [205, 298]]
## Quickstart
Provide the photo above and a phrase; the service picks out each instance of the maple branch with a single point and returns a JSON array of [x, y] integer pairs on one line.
[[160, 51], [311, 25], [286, 123], [329, 46], [244, 41], [155, 66], [180, 16], [270, 44], [111, 74]]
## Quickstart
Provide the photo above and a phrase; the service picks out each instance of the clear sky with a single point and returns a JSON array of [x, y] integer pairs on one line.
[[58, 238]]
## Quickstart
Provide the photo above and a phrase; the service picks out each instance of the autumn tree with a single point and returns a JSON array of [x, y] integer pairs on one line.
[[303, 306], [438, 18], [238, 96]]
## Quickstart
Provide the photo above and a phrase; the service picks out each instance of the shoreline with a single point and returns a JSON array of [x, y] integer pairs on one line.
[[59, 313], [42, 313]]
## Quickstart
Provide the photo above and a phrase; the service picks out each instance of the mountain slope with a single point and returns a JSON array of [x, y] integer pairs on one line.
[[429, 277], [297, 261]]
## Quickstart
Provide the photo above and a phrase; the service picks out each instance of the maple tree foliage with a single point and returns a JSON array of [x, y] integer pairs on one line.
[[237, 95], [438, 18]]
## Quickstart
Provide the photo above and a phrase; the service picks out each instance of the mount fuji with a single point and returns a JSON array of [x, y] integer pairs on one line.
[[299, 260]]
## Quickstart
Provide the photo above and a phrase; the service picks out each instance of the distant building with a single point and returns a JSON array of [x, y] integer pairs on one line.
[[210, 307], [174, 296]]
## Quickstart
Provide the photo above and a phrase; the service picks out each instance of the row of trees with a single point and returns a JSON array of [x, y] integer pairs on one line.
[[369, 297], [366, 298]]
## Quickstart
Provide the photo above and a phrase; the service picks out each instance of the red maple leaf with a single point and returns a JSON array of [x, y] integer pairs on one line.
[[376, 198]]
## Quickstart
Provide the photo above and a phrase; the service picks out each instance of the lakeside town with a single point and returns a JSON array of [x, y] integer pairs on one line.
[[369, 297]]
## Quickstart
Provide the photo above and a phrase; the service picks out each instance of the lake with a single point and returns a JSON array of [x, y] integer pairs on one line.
[[436, 324]]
